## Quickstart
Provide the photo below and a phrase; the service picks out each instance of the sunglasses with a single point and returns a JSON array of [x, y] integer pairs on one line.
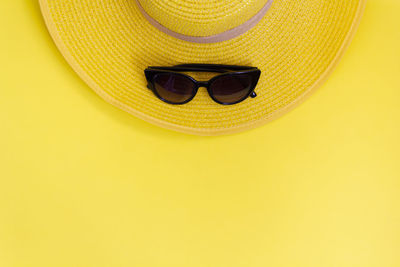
[[233, 85]]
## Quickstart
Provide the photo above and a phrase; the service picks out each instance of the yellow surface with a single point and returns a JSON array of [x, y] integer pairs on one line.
[[83, 183]]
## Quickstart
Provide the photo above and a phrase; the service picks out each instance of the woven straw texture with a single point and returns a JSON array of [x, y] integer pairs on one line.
[[109, 44]]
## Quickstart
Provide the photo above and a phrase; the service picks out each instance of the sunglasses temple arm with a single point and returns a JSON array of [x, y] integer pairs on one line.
[[204, 68], [216, 67], [184, 68]]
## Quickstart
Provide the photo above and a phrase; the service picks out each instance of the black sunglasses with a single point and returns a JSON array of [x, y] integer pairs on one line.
[[235, 84]]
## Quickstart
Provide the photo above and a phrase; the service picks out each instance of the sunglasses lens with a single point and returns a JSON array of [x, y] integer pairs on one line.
[[230, 89], [174, 88]]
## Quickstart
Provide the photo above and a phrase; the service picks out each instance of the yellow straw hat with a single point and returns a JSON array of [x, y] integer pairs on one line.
[[295, 44]]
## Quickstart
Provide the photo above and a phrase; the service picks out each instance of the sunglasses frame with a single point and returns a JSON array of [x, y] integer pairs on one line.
[[225, 70]]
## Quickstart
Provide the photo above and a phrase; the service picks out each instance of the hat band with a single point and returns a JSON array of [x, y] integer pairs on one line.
[[220, 37]]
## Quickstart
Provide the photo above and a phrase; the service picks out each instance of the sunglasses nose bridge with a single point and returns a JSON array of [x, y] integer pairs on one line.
[[202, 84]]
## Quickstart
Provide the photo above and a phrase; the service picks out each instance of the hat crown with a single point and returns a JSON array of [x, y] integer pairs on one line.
[[201, 17]]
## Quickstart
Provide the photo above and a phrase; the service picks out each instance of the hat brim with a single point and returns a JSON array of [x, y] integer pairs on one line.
[[296, 45]]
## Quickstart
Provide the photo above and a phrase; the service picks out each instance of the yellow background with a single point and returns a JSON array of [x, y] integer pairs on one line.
[[85, 184]]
